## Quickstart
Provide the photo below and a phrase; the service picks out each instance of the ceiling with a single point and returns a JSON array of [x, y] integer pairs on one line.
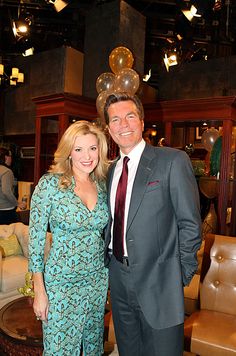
[[212, 35]]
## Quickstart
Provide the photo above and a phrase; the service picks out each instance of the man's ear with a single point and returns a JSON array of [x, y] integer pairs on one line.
[[142, 125]]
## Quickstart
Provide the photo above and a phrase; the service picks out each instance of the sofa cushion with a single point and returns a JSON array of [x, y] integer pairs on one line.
[[14, 269], [22, 233], [6, 230], [10, 246]]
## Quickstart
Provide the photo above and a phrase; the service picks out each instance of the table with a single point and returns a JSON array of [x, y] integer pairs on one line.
[[20, 331]]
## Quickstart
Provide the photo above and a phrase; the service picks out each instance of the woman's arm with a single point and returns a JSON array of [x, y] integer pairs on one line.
[[40, 297]]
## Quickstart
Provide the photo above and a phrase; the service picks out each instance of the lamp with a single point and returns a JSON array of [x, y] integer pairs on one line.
[[13, 79], [58, 4]]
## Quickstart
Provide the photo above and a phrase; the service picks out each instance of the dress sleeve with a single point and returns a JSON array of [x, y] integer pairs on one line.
[[40, 208]]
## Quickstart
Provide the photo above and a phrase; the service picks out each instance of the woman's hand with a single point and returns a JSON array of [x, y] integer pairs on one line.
[[22, 205], [41, 303], [40, 306]]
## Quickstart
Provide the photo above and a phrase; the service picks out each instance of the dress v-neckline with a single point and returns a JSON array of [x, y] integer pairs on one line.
[[83, 203]]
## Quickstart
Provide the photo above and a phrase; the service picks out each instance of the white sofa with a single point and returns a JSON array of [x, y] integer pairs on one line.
[[13, 267]]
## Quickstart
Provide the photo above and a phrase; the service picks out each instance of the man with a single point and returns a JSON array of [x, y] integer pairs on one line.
[[160, 231]]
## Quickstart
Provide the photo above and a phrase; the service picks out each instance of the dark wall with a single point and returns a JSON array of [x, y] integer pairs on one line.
[[50, 72], [212, 78]]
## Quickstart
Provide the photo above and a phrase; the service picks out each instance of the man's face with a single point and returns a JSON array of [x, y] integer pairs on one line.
[[125, 125]]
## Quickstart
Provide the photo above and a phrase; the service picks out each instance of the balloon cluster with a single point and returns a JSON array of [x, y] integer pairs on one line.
[[123, 78]]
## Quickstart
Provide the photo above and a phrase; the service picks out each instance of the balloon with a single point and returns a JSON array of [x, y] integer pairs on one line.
[[209, 137], [105, 82], [100, 102], [120, 57], [127, 80]]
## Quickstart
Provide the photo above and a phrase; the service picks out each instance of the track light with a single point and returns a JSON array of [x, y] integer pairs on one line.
[[21, 27], [28, 52], [58, 4], [190, 14], [170, 59]]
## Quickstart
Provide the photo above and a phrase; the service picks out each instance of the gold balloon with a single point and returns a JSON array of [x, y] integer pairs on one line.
[[127, 80], [105, 81], [120, 57], [100, 102]]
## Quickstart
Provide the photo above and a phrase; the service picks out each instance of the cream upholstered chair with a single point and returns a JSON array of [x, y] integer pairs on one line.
[[212, 330]]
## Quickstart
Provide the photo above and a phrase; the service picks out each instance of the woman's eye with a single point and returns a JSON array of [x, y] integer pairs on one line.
[[94, 148], [77, 149]]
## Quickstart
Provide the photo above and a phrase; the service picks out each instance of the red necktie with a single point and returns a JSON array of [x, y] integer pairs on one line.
[[119, 214]]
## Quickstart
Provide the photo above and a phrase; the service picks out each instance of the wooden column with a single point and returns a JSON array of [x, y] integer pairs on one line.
[[224, 175], [62, 125]]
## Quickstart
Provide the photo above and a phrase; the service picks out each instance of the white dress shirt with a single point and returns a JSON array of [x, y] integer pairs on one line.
[[134, 158]]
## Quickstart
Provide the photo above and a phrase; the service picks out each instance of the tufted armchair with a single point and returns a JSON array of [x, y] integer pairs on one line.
[[14, 259], [212, 329]]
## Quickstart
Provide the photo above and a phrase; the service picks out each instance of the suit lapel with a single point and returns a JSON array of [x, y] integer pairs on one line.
[[140, 183]]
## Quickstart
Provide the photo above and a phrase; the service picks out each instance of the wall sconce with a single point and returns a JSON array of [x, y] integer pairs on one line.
[[170, 60], [58, 4], [15, 77]]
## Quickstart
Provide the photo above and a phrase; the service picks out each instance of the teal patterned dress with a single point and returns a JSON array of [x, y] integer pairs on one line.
[[75, 278]]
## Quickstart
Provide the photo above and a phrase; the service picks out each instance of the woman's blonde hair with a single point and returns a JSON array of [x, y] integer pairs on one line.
[[62, 162]]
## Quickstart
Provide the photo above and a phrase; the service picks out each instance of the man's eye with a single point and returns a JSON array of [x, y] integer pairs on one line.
[[115, 119], [131, 116]]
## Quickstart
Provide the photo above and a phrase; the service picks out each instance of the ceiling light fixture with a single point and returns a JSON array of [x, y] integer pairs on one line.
[[170, 59], [58, 4], [21, 27], [146, 77], [28, 52], [190, 14]]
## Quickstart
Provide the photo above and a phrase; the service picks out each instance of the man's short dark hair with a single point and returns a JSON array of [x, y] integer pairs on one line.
[[122, 96]]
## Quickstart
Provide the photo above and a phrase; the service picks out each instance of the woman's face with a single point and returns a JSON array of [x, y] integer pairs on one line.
[[85, 153]]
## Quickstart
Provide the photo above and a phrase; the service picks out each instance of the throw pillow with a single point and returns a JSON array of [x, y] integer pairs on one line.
[[10, 246]]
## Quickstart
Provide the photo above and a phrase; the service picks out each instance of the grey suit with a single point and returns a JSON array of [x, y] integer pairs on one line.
[[163, 233]]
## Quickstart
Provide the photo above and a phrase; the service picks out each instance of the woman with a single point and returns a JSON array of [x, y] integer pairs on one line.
[[71, 288], [8, 201]]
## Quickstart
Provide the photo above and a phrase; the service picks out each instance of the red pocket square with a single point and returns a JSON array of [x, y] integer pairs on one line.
[[153, 183]]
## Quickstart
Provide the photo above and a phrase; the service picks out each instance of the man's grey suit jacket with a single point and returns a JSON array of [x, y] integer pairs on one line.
[[163, 233]]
